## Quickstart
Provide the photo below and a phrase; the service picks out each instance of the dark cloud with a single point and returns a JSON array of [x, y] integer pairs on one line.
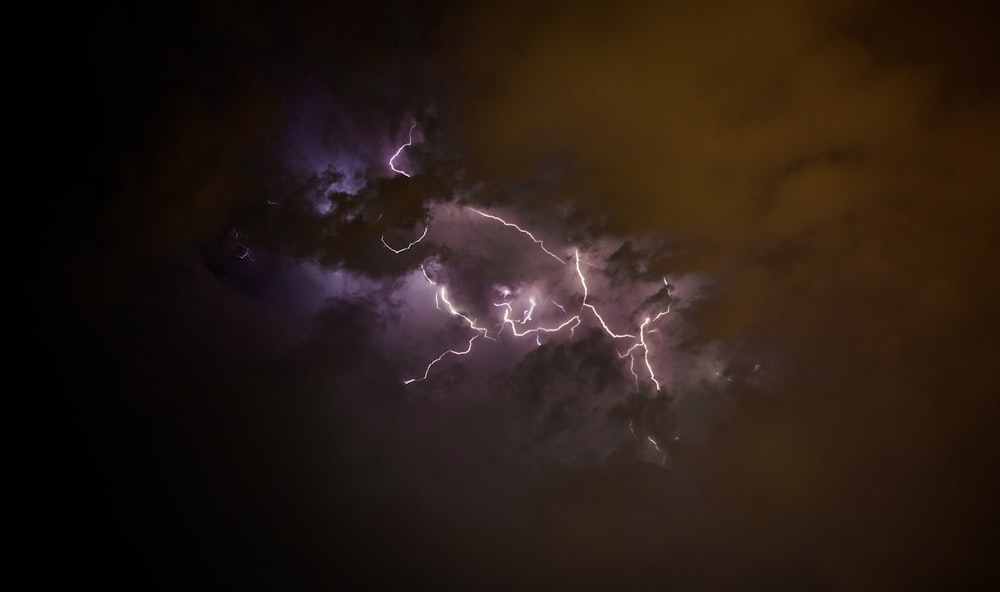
[[226, 336]]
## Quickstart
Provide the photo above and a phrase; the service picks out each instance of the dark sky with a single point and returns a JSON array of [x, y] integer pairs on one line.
[[217, 337]]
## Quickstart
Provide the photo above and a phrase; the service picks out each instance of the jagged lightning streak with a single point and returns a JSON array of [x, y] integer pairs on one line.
[[541, 244], [451, 308], [423, 270], [481, 332], [645, 355], [583, 282], [427, 370], [409, 142], [407, 247], [441, 295], [571, 322], [645, 349], [631, 362], [529, 311], [503, 304], [437, 299]]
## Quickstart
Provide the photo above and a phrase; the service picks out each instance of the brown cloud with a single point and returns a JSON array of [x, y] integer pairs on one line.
[[835, 170]]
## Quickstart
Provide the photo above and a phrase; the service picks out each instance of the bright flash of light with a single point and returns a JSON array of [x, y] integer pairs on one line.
[[409, 142], [519, 326]]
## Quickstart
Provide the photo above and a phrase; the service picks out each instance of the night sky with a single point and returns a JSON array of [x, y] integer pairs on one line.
[[243, 230]]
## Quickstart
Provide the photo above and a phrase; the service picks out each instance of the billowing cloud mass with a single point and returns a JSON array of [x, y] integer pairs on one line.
[[298, 334]]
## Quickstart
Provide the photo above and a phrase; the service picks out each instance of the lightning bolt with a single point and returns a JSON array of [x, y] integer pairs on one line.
[[409, 142], [427, 371], [519, 326], [655, 444], [631, 362], [571, 322], [407, 247], [454, 312], [541, 244], [481, 332], [583, 282], [531, 309], [645, 354], [423, 270], [645, 350]]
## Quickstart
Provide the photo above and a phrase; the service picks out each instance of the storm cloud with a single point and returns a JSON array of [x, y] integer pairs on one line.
[[811, 189]]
